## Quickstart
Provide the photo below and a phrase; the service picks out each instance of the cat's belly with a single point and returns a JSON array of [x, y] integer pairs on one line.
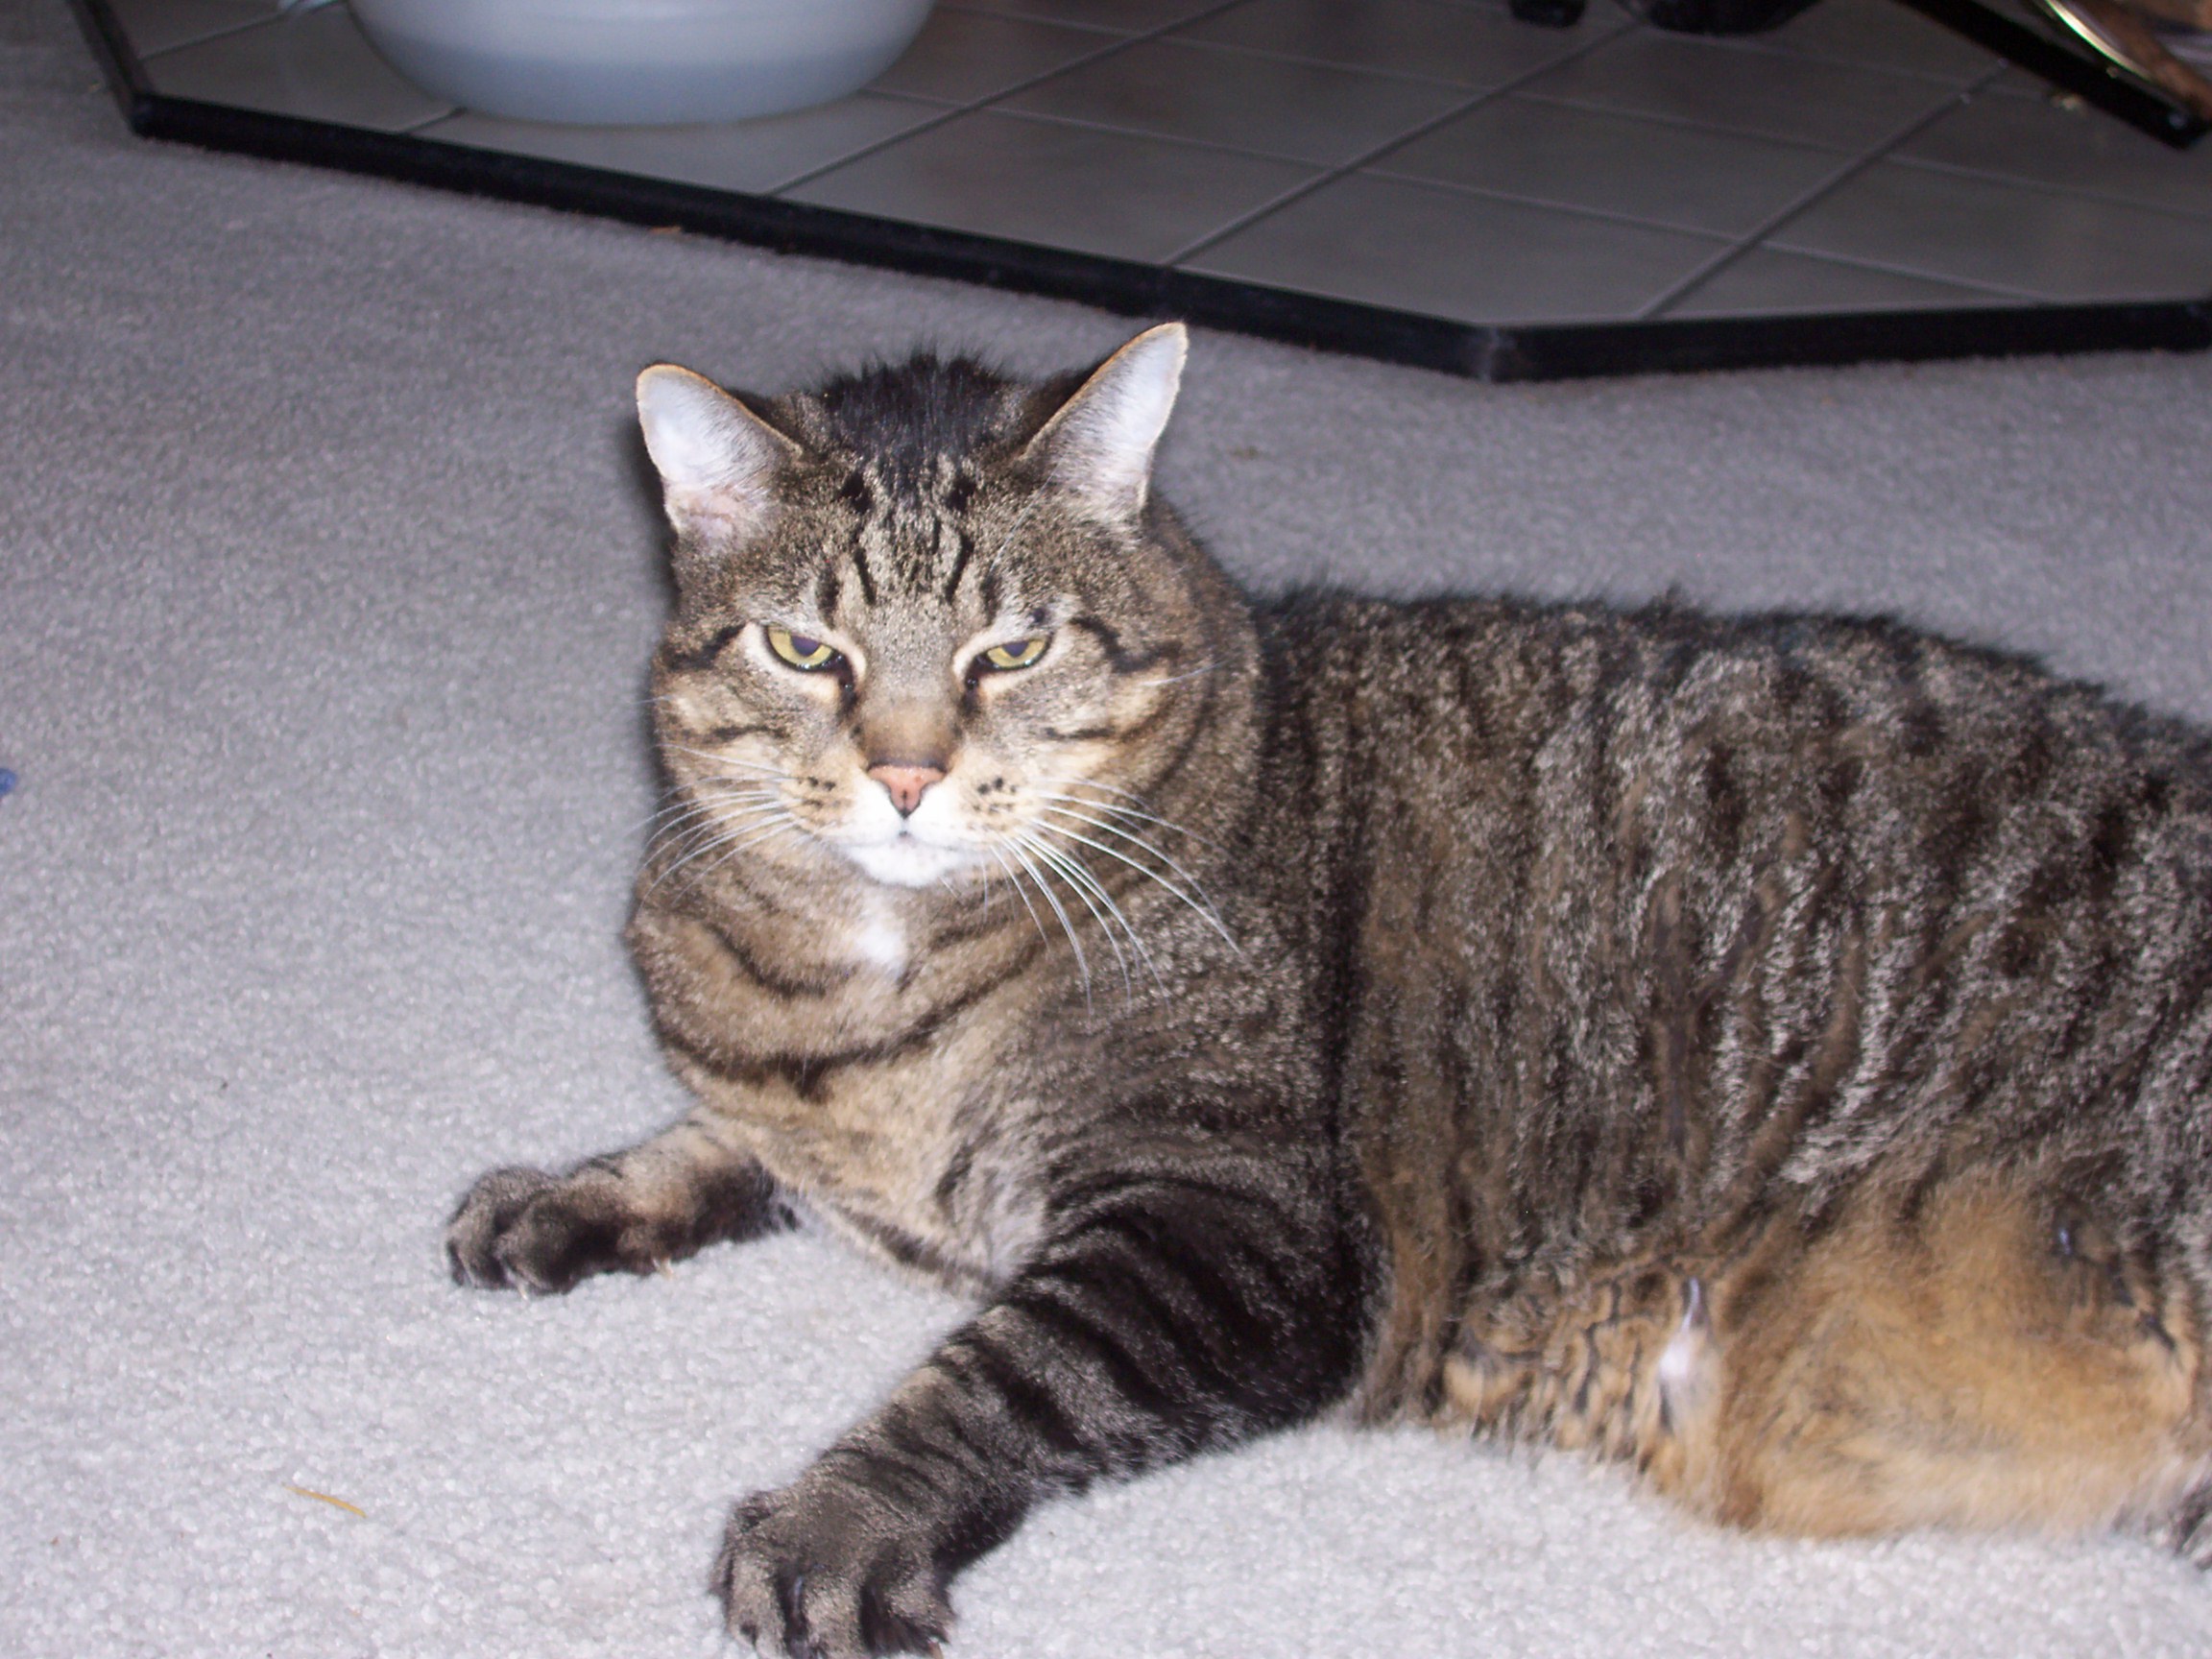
[[1994, 1356]]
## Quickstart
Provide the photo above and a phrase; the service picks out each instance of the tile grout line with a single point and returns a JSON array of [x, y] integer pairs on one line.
[[277, 20], [1974, 89], [1305, 61], [936, 103], [222, 33], [1756, 237], [2050, 186], [1211, 146], [1550, 205], [1345, 169], [1888, 268], [1686, 123], [406, 129], [1119, 43], [1797, 55], [975, 10], [1765, 46]]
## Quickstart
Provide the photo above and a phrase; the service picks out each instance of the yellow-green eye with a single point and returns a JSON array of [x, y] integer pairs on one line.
[[800, 651], [1020, 654]]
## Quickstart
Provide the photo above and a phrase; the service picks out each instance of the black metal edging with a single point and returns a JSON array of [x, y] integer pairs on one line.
[[2111, 91], [118, 61], [1503, 352]]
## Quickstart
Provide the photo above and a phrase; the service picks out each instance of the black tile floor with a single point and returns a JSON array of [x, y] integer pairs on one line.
[[1434, 159]]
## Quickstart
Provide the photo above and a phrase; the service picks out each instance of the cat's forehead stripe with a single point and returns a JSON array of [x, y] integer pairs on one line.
[[910, 534], [856, 551], [964, 549]]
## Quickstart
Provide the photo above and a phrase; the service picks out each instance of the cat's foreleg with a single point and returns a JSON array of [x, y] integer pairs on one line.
[[1161, 1318], [630, 1211]]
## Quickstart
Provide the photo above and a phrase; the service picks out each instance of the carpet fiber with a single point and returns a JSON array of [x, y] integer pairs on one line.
[[327, 577]]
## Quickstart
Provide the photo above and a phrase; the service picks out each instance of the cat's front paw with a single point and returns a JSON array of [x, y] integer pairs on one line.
[[524, 1229], [826, 1568]]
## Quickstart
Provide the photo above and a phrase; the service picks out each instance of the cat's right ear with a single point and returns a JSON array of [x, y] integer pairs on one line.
[[717, 460]]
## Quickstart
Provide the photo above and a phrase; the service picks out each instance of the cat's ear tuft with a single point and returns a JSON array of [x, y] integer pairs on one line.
[[1099, 444], [717, 460]]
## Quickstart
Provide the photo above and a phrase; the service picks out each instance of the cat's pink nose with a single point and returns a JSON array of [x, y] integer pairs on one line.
[[906, 782]]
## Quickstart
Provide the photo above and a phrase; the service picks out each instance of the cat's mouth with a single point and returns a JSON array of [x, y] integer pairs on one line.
[[917, 844], [904, 859]]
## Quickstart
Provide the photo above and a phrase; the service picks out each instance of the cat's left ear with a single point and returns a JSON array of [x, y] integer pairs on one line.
[[717, 460], [1098, 445]]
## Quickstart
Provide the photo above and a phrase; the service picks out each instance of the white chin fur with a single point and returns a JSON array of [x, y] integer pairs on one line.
[[906, 862]]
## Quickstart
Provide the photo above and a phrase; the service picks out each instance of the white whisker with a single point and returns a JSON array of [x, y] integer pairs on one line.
[[1014, 881], [1015, 529], [1115, 830], [1082, 963], [1074, 868], [705, 838], [1147, 815], [760, 838], [1202, 905], [1108, 788], [710, 805], [1084, 886], [1175, 679], [733, 828], [1125, 834], [1129, 812], [701, 805], [708, 755]]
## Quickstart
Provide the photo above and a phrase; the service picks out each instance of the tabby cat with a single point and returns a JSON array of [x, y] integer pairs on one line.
[[1772, 1051]]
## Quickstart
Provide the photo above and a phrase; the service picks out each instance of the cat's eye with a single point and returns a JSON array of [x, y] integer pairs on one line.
[[800, 651], [1017, 653]]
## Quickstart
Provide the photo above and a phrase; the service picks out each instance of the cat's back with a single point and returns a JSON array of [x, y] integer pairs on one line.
[[1622, 744], [1490, 680]]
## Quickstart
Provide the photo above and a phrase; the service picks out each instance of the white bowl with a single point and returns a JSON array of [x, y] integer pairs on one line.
[[640, 61]]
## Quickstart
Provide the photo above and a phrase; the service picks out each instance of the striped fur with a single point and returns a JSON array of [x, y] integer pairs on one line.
[[1771, 1051]]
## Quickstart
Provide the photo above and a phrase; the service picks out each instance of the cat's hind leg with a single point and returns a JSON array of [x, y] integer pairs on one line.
[[630, 1211], [1989, 1356]]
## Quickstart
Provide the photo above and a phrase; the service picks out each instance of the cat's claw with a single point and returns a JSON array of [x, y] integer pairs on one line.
[[526, 1230], [483, 1218], [826, 1568]]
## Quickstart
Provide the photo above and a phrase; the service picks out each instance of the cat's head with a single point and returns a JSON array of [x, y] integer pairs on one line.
[[929, 621]]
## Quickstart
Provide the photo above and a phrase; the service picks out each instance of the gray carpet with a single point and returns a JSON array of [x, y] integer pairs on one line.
[[326, 584]]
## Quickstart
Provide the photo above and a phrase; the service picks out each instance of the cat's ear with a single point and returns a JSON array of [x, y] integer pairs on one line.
[[717, 460], [1099, 443]]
